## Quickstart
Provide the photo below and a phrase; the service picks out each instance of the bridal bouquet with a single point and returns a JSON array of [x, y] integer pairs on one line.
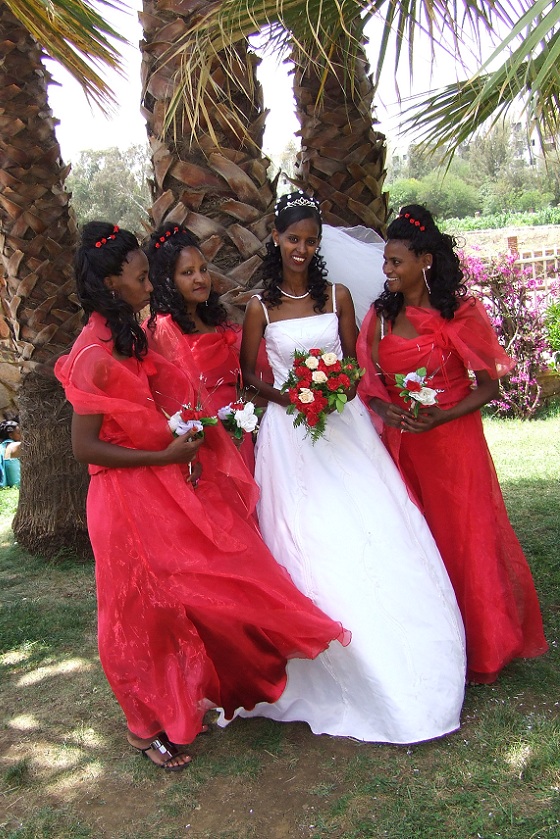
[[189, 419], [240, 417], [414, 389], [316, 386]]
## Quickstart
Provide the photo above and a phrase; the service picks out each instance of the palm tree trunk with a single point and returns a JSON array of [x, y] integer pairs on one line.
[[40, 313], [217, 186], [342, 161]]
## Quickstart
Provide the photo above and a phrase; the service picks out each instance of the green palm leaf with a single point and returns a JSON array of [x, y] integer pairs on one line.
[[76, 36], [528, 79]]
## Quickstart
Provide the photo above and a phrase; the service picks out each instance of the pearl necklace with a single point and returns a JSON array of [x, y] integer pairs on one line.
[[293, 296]]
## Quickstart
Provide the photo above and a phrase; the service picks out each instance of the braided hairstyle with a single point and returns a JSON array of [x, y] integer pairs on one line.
[[102, 251], [291, 208], [163, 249], [415, 227]]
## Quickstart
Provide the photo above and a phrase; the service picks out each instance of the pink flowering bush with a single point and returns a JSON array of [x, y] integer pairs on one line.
[[518, 318]]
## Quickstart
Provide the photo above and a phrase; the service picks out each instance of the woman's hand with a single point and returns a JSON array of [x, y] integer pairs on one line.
[[351, 392], [182, 449], [391, 415], [427, 419], [195, 473]]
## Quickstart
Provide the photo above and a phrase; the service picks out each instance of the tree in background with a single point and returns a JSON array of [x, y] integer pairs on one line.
[[495, 171], [40, 312], [112, 184]]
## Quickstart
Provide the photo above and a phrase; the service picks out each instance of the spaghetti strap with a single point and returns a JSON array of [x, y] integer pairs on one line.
[[334, 298], [382, 320], [265, 310]]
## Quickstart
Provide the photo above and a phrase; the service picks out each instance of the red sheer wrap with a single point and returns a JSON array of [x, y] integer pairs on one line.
[[450, 473], [193, 610]]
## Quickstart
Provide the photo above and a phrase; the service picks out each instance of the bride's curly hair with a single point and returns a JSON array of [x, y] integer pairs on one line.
[[415, 227], [287, 213], [163, 249], [102, 252]]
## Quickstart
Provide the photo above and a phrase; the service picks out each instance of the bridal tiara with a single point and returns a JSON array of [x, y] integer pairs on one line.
[[296, 199]]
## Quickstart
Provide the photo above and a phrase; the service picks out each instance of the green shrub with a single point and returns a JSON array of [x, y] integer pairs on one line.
[[552, 326]]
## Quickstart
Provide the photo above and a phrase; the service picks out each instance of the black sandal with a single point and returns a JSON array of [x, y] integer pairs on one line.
[[167, 750]]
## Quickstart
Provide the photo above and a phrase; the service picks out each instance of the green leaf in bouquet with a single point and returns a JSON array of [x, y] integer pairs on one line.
[[340, 402]]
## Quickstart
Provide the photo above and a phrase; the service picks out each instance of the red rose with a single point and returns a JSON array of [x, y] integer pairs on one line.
[[316, 352], [336, 367], [344, 380], [189, 414], [333, 384], [413, 387]]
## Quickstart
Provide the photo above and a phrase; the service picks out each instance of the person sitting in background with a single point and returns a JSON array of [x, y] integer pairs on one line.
[[10, 444]]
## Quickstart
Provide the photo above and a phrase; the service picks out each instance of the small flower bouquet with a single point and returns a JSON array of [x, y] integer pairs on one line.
[[189, 419], [414, 389], [317, 385], [240, 417]]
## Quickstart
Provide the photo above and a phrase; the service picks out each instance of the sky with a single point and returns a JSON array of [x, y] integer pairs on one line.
[[83, 127]]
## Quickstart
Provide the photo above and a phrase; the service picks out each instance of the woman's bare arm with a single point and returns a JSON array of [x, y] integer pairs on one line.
[[88, 448]]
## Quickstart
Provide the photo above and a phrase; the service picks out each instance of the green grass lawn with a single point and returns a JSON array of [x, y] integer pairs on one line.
[[67, 773]]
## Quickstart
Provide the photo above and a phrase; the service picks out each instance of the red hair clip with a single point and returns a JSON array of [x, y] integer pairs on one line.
[[105, 239], [413, 221]]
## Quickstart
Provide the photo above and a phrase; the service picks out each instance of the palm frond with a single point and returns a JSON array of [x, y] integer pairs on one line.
[[76, 36], [529, 79], [327, 35]]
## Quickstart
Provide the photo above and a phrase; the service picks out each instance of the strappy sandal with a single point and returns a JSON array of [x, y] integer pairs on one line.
[[168, 751]]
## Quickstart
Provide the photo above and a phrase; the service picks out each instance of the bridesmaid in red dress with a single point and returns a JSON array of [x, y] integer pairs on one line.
[[424, 324], [193, 611], [192, 324]]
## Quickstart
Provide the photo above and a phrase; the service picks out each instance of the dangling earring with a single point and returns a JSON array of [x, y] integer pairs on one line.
[[113, 294], [426, 283]]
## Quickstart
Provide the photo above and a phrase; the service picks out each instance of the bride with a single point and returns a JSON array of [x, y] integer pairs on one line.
[[338, 517]]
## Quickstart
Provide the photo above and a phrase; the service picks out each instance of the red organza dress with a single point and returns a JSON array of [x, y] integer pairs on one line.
[[449, 471], [193, 610], [216, 360]]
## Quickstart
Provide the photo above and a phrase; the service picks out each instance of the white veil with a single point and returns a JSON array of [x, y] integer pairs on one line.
[[354, 257]]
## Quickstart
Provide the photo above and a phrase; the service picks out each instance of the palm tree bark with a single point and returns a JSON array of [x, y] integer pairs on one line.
[[214, 181], [40, 313], [343, 157]]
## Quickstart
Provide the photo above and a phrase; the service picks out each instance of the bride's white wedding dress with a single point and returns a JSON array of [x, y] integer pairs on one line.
[[337, 515]]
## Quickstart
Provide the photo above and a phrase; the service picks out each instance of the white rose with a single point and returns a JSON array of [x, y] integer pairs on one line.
[[225, 412], [311, 362], [246, 418], [180, 427], [329, 358], [413, 377], [319, 377], [426, 396], [306, 396]]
